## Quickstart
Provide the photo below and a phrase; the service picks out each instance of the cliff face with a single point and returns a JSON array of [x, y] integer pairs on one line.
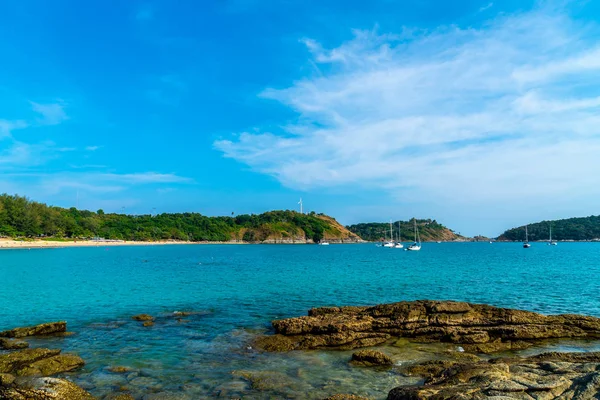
[[300, 228]]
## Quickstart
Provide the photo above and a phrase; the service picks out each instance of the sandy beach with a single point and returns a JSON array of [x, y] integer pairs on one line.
[[36, 244]]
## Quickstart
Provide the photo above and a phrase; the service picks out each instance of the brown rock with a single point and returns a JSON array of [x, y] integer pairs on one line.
[[118, 396], [119, 369], [483, 328], [37, 330], [148, 323], [13, 361], [406, 393], [44, 389], [52, 366], [143, 317], [12, 344], [38, 362], [6, 379], [546, 376], [371, 358], [346, 397]]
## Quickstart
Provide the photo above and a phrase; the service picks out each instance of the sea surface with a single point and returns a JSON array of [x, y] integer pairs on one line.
[[234, 291]]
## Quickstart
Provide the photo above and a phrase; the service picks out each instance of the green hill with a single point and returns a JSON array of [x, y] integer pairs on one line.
[[20, 217], [584, 228], [429, 230]]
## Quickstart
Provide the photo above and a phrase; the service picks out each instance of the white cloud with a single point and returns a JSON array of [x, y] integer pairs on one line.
[[92, 148], [6, 127], [51, 114], [505, 113], [486, 7]]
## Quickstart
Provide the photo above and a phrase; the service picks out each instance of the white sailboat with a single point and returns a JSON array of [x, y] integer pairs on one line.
[[550, 242], [391, 242], [399, 244], [416, 246], [526, 244]]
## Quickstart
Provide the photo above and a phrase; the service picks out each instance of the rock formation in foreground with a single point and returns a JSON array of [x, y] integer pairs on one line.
[[476, 327], [546, 376], [24, 373]]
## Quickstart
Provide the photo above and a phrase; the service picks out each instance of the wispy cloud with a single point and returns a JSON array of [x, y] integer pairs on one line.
[[486, 7], [51, 114], [92, 148], [6, 127], [20, 154], [461, 115]]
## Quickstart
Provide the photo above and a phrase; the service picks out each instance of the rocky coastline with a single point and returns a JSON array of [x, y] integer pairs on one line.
[[478, 331], [482, 365]]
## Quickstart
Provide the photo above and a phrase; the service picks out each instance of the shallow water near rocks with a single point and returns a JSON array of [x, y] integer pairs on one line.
[[235, 291]]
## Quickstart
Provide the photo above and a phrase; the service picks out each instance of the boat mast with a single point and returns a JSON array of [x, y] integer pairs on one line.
[[526, 235], [415, 222], [391, 233], [399, 237]]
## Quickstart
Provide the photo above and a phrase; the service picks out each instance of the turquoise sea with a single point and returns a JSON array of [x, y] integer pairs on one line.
[[236, 290]]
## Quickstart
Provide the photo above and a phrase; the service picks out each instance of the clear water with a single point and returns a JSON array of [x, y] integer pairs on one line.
[[237, 290]]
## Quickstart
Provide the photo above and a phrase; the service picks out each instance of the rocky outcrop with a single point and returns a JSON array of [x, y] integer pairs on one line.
[[12, 344], [43, 389], [546, 376], [38, 362], [371, 358], [37, 330], [481, 328], [143, 317]]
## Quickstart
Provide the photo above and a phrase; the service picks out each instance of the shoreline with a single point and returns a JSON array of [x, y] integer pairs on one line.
[[10, 244]]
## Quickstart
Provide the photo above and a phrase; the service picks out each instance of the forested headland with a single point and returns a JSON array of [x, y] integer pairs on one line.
[[23, 218], [583, 228], [429, 230]]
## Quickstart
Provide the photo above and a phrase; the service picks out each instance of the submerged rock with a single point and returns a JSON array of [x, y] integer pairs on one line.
[[43, 389], [37, 330], [371, 358], [118, 396], [346, 397], [119, 369], [547, 376], [477, 327], [12, 344], [143, 317], [38, 362]]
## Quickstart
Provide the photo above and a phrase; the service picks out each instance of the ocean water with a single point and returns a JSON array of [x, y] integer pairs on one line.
[[234, 291]]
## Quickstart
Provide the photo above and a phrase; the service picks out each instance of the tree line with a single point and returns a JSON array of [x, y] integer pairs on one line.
[[21, 217], [429, 230], [584, 228]]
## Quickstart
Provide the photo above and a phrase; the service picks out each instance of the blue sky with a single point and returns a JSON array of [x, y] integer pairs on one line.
[[483, 115]]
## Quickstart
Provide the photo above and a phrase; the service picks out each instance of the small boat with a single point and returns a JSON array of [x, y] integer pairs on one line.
[[550, 242], [526, 244], [399, 244], [391, 242], [416, 246], [323, 243], [439, 241]]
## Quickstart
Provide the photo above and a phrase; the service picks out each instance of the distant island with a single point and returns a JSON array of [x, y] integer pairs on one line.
[[571, 229], [23, 218], [429, 230]]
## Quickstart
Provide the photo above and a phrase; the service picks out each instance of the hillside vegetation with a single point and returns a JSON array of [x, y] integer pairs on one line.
[[20, 217], [429, 230], [585, 228]]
